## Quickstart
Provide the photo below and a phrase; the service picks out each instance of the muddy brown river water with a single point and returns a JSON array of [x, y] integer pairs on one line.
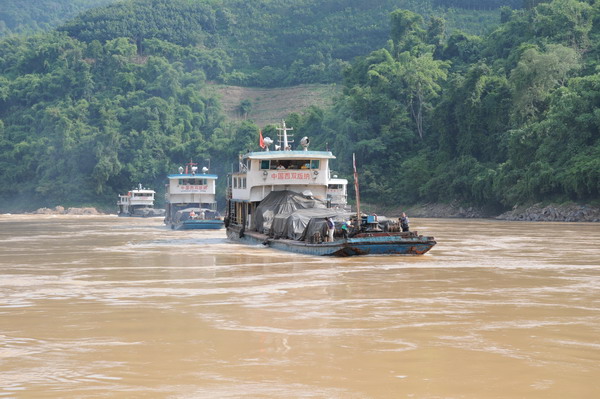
[[107, 307]]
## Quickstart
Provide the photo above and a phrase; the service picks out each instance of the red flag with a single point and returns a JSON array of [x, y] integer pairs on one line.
[[261, 142]]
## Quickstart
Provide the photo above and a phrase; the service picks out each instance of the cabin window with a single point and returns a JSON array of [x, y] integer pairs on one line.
[[185, 182], [335, 186], [243, 182], [265, 164], [235, 182], [315, 164], [292, 164]]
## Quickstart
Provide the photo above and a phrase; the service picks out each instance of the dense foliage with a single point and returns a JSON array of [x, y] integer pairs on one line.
[[479, 4], [506, 119], [30, 16], [269, 42], [81, 122], [118, 97]]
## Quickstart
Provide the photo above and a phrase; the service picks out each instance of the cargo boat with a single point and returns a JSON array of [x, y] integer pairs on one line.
[[190, 200], [280, 199]]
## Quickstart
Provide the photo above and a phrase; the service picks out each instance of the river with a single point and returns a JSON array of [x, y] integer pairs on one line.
[[107, 307]]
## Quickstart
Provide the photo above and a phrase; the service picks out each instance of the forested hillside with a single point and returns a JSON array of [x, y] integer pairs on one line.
[[30, 16], [266, 43], [508, 118], [118, 96]]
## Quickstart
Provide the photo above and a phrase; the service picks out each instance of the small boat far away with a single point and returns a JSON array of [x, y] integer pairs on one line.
[[139, 202], [286, 199], [190, 200]]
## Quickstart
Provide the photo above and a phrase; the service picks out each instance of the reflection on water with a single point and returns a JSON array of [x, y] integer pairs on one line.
[[122, 308]]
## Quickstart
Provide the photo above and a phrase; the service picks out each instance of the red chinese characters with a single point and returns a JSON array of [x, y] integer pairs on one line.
[[190, 188], [290, 175]]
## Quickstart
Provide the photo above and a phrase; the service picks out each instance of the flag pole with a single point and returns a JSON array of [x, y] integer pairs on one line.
[[357, 192]]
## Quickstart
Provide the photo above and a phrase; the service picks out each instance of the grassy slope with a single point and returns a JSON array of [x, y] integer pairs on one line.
[[271, 105]]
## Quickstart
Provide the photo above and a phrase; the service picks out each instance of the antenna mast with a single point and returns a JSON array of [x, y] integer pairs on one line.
[[190, 164], [283, 133], [358, 216]]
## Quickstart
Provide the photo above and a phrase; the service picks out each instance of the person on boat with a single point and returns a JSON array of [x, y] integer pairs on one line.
[[330, 229], [345, 227], [280, 166], [404, 222], [192, 214]]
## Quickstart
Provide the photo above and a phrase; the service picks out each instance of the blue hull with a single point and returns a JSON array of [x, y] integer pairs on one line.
[[366, 245], [200, 225]]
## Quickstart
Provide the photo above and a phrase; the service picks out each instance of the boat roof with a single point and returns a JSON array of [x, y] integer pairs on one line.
[[292, 154], [138, 191], [335, 180], [200, 175], [197, 210]]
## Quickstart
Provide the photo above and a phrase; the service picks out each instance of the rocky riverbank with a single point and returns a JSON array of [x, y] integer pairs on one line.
[[59, 210], [535, 213], [453, 210], [554, 213]]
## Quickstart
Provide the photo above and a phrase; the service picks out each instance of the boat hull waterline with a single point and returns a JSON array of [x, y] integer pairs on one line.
[[200, 225], [369, 244]]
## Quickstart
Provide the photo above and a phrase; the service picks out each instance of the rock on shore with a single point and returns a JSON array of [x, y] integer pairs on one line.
[[59, 210]]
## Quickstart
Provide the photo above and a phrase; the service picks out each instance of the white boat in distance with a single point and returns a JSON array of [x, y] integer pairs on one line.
[[138, 202]]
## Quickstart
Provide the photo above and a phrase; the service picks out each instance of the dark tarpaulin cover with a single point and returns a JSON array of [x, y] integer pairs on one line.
[[286, 214], [317, 224], [293, 225], [281, 202]]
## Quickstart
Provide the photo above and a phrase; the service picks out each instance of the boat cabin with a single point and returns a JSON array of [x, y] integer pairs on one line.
[[337, 193], [262, 172]]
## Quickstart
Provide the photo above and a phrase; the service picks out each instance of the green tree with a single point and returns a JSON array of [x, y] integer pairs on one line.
[[537, 74], [245, 108], [423, 76], [407, 31]]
